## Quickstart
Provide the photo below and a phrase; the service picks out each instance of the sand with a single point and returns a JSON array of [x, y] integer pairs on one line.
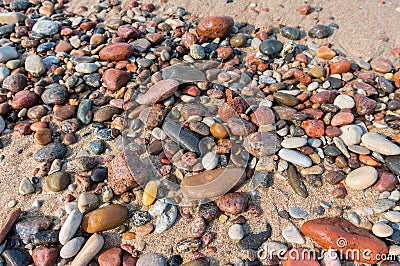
[[361, 26]]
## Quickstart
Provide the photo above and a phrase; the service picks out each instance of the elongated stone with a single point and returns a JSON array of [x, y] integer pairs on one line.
[[70, 226], [378, 143], [182, 135], [105, 218], [159, 91], [214, 183], [295, 157], [89, 250], [183, 74], [295, 182], [362, 178]]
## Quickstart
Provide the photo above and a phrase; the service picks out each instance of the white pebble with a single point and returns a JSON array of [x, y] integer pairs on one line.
[[210, 160], [236, 232], [382, 230]]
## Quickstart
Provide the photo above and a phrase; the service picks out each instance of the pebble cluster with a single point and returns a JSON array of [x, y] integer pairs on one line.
[[195, 121]]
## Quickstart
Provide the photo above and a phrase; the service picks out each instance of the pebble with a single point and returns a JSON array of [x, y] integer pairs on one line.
[[392, 216], [15, 83], [291, 33], [292, 235], [210, 160], [197, 227], [152, 259], [92, 246], [116, 52], [261, 144], [232, 203], [4, 72], [12, 217], [378, 143], [96, 146], [110, 257], [320, 31], [214, 183], [87, 202], [26, 186], [86, 68], [294, 142], [295, 181], [351, 134], [215, 27], [45, 255], [7, 53], [105, 218], [197, 51], [159, 91], [253, 241], [386, 182], [298, 213], [295, 157], [344, 102], [46, 27], [114, 79], [166, 215], [84, 112], [50, 152], [54, 94], [382, 205], [72, 247], [183, 74], [29, 226], [150, 193], [362, 178], [382, 230], [270, 47], [34, 65], [235, 232], [16, 257], [70, 227], [188, 245], [58, 181]]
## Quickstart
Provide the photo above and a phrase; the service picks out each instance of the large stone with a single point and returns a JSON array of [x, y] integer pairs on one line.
[[50, 152], [11, 18], [159, 91], [115, 79], [105, 218], [378, 143], [362, 178], [214, 183], [339, 234], [45, 256], [46, 27]]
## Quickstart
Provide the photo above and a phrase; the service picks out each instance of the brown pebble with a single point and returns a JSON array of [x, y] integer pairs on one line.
[[8, 224]]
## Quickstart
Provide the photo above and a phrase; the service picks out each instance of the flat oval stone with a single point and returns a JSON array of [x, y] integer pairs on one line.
[[105, 218], [362, 178], [270, 47], [17, 257], [295, 157], [46, 27], [197, 262], [319, 31], [117, 52], [291, 33], [330, 232], [182, 135], [152, 259], [294, 142], [72, 247], [50, 152], [23, 99], [210, 184], [344, 101], [286, 99], [183, 74], [58, 181], [188, 245], [159, 91], [89, 250], [215, 27], [382, 230], [261, 144], [295, 182], [393, 163], [70, 227], [378, 143]]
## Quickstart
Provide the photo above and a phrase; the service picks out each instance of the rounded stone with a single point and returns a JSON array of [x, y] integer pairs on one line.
[[362, 178], [294, 142], [235, 232], [34, 65], [56, 94], [72, 247], [151, 259], [238, 40], [215, 27], [382, 230], [70, 227], [117, 51], [344, 102], [319, 31], [105, 218], [295, 157], [58, 181], [270, 47], [232, 203], [87, 202], [210, 160], [45, 27], [149, 193], [197, 51], [291, 33], [219, 131]]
